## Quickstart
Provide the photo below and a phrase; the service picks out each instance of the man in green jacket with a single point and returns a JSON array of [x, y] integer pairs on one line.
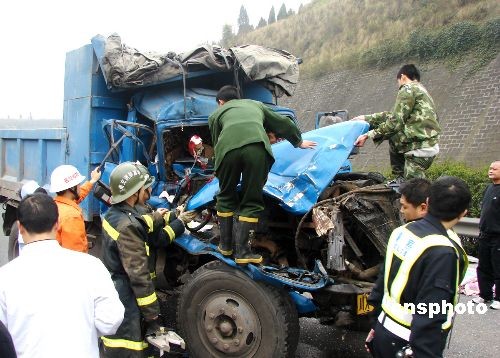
[[412, 127], [242, 150]]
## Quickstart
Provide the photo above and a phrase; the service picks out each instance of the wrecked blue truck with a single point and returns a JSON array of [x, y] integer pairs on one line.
[[322, 234]]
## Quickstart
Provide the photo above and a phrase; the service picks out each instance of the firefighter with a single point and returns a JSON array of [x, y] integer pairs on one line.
[[243, 150], [125, 254], [65, 180], [160, 236], [424, 264]]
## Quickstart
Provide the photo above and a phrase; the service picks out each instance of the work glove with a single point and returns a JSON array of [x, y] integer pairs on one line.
[[187, 216], [153, 327]]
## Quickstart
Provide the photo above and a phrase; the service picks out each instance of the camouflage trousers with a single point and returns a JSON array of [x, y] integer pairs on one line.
[[407, 165]]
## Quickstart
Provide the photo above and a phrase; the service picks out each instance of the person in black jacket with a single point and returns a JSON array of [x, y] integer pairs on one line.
[[488, 268], [424, 264], [413, 201]]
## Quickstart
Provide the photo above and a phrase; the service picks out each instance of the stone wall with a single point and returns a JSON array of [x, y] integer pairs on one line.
[[468, 107]]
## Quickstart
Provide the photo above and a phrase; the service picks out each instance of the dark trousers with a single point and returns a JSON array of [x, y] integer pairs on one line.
[[386, 344], [488, 268], [252, 163], [127, 342]]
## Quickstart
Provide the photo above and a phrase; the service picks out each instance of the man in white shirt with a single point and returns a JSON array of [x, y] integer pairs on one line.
[[55, 302]]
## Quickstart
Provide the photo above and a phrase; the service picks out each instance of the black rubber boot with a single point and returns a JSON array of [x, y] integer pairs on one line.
[[226, 235], [242, 252]]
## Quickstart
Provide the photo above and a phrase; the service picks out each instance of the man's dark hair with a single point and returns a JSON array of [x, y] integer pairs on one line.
[[40, 190], [416, 190], [37, 213], [409, 71], [448, 198], [227, 93]]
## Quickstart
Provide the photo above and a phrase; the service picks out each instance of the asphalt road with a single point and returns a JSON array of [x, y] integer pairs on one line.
[[474, 335]]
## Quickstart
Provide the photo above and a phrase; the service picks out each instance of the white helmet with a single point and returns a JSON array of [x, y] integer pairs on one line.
[[64, 177], [29, 188]]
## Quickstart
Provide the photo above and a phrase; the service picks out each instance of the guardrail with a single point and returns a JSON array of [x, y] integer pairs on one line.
[[467, 227]]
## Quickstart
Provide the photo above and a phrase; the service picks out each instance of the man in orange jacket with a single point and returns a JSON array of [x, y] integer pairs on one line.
[[65, 181]]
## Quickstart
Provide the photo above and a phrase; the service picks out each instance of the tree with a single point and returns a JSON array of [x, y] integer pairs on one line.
[[301, 7], [227, 35], [272, 16], [244, 22], [282, 14], [262, 23], [290, 12]]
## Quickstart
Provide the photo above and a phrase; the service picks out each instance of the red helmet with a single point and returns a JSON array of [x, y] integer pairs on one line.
[[195, 146]]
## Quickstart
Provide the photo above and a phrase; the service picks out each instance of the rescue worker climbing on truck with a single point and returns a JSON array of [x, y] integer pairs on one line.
[[126, 255], [242, 149], [65, 180]]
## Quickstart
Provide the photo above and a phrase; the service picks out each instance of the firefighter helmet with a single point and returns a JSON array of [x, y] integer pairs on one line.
[[125, 180], [145, 171]]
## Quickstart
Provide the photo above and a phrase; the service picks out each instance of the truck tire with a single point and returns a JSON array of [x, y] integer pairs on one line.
[[222, 312]]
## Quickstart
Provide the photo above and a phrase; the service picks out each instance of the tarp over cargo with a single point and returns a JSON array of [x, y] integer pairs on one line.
[[125, 67]]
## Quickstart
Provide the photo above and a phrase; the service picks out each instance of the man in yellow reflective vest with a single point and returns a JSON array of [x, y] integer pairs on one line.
[[424, 265]]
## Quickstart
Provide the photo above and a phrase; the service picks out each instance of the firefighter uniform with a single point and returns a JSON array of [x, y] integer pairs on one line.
[[160, 235], [126, 255], [424, 265]]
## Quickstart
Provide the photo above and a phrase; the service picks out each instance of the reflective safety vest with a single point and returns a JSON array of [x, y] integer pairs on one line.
[[408, 247]]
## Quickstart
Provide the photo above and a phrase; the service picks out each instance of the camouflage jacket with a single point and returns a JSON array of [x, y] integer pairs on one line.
[[126, 254], [412, 124]]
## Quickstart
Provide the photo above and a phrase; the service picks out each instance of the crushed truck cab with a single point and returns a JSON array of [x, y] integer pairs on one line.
[[322, 235]]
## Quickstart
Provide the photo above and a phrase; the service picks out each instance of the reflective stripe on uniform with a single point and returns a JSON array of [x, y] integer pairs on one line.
[[147, 248], [124, 343], [144, 301], [408, 247], [248, 220], [110, 230], [166, 217], [170, 232], [153, 275], [149, 222], [225, 215]]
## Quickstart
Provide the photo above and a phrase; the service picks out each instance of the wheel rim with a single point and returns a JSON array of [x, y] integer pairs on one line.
[[228, 323]]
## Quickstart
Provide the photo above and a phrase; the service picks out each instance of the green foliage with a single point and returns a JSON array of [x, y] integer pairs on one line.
[[272, 16], [476, 179], [227, 36], [282, 14], [333, 34], [449, 42], [262, 23], [244, 22]]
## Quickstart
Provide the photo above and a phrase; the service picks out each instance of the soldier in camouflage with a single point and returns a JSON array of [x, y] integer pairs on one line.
[[412, 127]]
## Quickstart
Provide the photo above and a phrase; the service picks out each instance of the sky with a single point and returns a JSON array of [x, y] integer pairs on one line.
[[36, 34]]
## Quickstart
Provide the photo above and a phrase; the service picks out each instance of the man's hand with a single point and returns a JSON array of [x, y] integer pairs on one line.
[[358, 118], [361, 140], [162, 211], [369, 339], [95, 175], [307, 144], [187, 216]]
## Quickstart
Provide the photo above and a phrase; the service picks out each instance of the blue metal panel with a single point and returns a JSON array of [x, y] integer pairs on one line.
[[258, 273], [87, 103], [299, 176]]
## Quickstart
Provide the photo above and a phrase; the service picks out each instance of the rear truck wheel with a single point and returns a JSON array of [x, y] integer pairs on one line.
[[224, 313]]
